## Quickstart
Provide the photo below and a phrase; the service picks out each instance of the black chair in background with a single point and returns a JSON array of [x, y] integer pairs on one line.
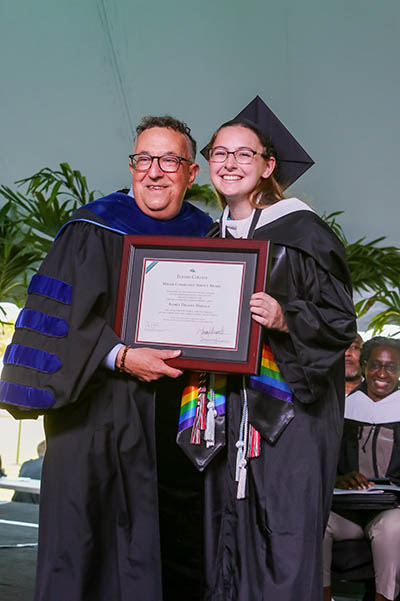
[[352, 562]]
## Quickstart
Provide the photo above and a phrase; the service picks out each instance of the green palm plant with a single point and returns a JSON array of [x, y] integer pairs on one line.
[[17, 257], [29, 221], [389, 316], [375, 270], [373, 267], [48, 200]]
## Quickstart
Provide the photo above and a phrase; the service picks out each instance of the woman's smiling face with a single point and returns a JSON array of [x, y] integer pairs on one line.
[[382, 372], [235, 181]]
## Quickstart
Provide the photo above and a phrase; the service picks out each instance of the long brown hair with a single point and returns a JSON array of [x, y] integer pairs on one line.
[[268, 191]]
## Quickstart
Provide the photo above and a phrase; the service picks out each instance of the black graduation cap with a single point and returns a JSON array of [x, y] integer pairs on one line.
[[293, 160]]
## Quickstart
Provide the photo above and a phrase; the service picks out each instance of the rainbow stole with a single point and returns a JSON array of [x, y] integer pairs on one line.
[[270, 379], [190, 396]]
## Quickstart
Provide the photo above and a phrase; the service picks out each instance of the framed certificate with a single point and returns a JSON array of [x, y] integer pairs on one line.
[[193, 294]]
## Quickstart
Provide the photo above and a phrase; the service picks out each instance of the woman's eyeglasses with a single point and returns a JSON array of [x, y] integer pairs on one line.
[[243, 156]]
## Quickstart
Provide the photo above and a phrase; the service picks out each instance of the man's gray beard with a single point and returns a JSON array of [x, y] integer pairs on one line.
[[351, 377]]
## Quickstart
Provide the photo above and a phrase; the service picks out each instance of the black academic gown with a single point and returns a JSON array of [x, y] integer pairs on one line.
[[268, 546], [99, 536]]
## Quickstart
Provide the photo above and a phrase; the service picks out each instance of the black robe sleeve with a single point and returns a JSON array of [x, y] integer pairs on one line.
[[319, 312], [65, 329], [311, 281]]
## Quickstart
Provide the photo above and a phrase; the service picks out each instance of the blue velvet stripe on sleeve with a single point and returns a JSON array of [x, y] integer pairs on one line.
[[47, 286], [17, 354], [25, 396], [41, 322]]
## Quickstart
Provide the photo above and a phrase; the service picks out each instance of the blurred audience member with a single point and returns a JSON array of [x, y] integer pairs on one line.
[[371, 451], [31, 469], [2, 472], [352, 364]]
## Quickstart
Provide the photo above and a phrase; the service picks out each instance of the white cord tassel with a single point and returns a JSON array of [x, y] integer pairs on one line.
[[209, 434], [239, 458], [241, 461], [241, 489]]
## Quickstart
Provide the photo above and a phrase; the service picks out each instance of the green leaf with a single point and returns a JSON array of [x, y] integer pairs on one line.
[[330, 219], [204, 193], [363, 306], [16, 257]]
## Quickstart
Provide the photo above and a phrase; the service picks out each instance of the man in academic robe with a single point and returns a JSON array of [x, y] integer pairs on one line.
[[352, 365], [99, 536]]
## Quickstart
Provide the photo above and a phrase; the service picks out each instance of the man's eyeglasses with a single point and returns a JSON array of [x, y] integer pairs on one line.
[[243, 156], [169, 163], [390, 368]]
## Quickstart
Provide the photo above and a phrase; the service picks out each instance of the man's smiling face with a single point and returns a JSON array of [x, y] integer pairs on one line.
[[159, 194]]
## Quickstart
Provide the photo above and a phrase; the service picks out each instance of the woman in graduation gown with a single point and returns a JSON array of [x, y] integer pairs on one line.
[[370, 450], [268, 499]]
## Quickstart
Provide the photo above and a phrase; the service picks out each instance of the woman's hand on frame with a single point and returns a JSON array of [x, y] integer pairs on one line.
[[267, 312]]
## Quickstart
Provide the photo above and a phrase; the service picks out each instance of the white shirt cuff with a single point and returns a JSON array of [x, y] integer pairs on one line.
[[110, 358]]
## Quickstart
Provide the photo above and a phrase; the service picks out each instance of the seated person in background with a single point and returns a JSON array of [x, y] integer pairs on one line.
[[352, 364], [31, 469], [370, 450]]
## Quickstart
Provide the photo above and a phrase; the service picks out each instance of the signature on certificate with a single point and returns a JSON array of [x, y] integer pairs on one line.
[[211, 334]]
